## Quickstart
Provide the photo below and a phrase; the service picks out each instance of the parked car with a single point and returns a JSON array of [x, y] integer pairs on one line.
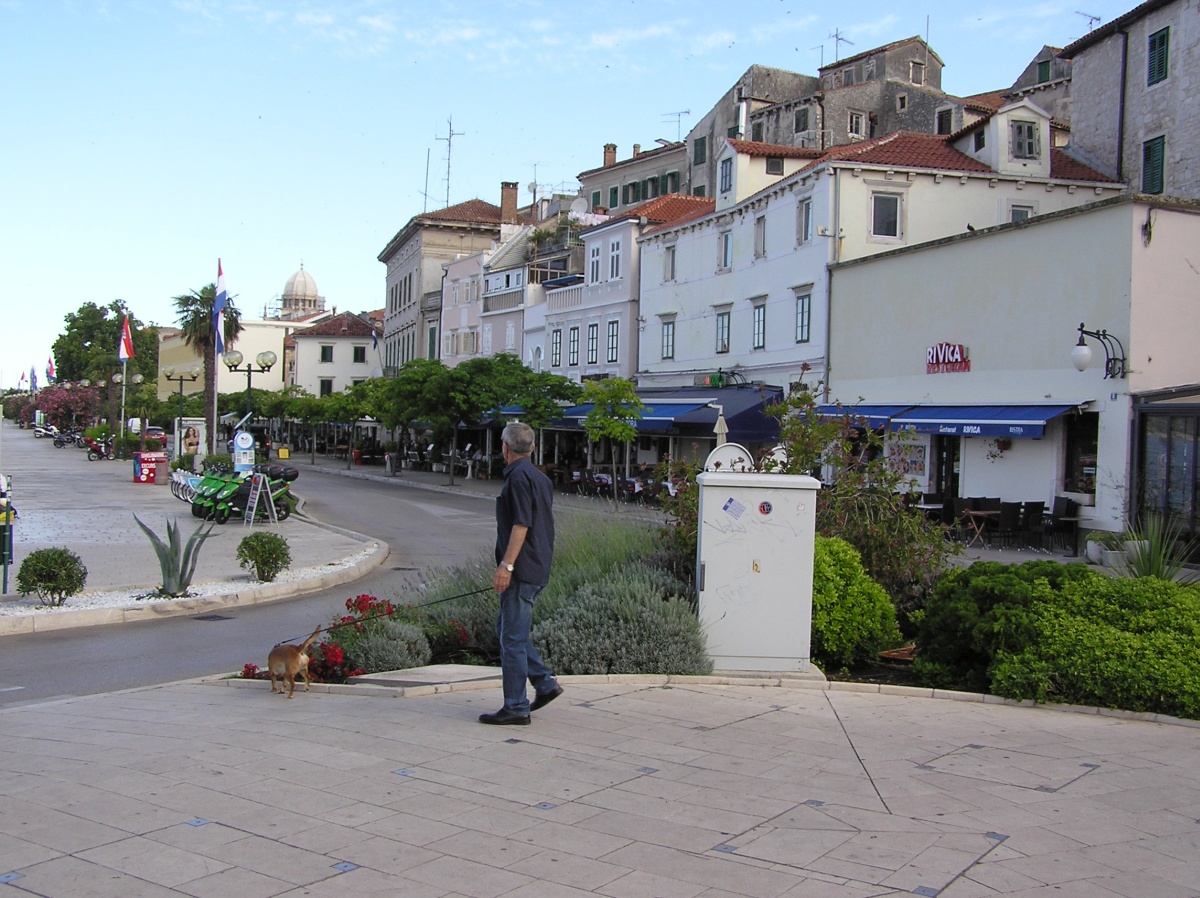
[[156, 435]]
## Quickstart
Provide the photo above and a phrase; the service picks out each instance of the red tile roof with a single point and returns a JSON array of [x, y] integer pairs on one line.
[[989, 101], [672, 207], [346, 324], [905, 149], [755, 148], [475, 211], [696, 207], [1068, 168]]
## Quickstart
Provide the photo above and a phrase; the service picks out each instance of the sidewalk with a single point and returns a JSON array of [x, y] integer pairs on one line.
[[739, 786]]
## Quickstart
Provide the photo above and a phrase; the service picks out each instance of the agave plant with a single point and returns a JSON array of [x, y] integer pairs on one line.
[[178, 561], [1158, 548]]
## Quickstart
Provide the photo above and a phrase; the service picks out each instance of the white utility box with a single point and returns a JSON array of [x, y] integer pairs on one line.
[[755, 564]]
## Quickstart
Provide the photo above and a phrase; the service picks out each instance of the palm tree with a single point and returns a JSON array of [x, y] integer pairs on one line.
[[195, 316]]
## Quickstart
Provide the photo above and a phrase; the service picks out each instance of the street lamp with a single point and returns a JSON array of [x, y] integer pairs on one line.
[[263, 362], [190, 375], [1115, 363], [119, 378]]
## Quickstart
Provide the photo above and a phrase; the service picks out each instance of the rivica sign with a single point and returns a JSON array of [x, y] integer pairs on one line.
[[946, 358]]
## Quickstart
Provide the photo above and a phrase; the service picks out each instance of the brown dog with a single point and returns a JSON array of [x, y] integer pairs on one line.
[[288, 661]]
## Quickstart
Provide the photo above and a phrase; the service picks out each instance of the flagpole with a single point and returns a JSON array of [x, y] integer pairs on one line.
[[123, 379]]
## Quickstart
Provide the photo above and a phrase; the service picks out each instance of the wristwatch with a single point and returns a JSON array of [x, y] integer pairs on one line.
[[508, 567]]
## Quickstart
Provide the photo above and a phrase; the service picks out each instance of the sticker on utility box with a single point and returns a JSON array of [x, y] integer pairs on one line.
[[733, 508], [764, 508]]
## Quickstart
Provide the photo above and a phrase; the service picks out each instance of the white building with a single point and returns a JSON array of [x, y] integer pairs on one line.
[[462, 291], [337, 354], [743, 292], [977, 361]]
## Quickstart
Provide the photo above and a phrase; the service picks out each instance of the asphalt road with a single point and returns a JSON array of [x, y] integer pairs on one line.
[[424, 530]]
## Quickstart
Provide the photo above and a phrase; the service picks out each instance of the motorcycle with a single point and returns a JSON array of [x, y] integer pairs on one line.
[[44, 430], [68, 438], [97, 450], [221, 497]]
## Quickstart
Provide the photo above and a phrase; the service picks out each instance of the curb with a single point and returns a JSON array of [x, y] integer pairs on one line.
[[814, 681]]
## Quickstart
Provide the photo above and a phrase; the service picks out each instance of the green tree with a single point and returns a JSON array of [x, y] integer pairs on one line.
[[194, 312], [304, 407], [88, 347], [615, 406]]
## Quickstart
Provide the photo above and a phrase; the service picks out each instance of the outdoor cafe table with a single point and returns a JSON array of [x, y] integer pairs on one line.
[[976, 524]]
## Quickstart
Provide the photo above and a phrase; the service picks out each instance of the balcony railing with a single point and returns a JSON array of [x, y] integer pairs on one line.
[[503, 302], [565, 298]]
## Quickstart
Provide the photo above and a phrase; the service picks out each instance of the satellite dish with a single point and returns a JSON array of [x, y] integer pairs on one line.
[[531, 186], [730, 457], [578, 206]]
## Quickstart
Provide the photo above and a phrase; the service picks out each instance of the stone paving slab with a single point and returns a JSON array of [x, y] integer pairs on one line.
[[626, 787]]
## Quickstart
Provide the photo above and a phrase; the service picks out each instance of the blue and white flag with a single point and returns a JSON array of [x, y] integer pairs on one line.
[[32, 380], [219, 311]]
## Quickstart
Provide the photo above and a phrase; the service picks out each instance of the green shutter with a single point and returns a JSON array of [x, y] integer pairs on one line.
[[614, 197], [595, 199], [1158, 56], [1152, 165]]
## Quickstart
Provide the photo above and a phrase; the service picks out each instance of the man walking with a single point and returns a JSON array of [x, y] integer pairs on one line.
[[524, 548]]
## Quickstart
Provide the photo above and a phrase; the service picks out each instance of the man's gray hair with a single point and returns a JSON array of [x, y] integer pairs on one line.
[[519, 438]]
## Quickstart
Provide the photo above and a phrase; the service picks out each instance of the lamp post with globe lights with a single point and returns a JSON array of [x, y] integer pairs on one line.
[[191, 374]]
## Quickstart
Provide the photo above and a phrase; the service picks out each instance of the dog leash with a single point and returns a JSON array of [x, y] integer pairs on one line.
[[362, 620]]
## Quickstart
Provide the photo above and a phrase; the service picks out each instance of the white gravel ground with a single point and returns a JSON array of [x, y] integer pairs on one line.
[[22, 605]]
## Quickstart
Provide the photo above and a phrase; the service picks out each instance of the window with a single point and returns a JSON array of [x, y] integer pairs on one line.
[[699, 190], [980, 139], [756, 132], [726, 175], [759, 334], [803, 317], [614, 197], [595, 199], [1024, 140], [733, 131], [360, 355], [885, 215], [632, 192], [573, 346], [614, 260], [804, 221], [594, 264], [668, 339], [945, 121], [916, 72], [1043, 74], [672, 182], [431, 342], [614, 329], [760, 236], [1152, 165], [1020, 213], [774, 165], [801, 123], [847, 77], [722, 332], [726, 244], [449, 345], [326, 386], [650, 188], [555, 348], [699, 151], [901, 102], [326, 353], [1157, 56], [669, 263], [593, 341], [856, 126]]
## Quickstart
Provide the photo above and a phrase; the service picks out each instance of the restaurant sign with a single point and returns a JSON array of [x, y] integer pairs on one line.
[[947, 358]]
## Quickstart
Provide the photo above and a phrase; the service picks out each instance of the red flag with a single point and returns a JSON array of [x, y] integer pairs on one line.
[[125, 352]]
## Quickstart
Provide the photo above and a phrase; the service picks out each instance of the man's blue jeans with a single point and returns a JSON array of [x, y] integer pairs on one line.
[[519, 660]]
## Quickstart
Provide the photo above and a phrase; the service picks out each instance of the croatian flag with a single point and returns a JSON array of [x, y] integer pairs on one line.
[[125, 350], [50, 375], [374, 339], [219, 304], [21, 381]]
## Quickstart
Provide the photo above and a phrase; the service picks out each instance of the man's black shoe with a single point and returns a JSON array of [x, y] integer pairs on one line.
[[545, 698], [504, 717]]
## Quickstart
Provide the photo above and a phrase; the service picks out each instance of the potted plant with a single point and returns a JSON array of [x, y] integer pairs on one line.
[[1097, 542]]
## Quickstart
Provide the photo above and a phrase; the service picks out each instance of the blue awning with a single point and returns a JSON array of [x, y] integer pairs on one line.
[[875, 414], [981, 420], [657, 418]]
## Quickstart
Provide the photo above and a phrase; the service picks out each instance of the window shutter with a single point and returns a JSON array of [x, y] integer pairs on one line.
[[1152, 165], [595, 199]]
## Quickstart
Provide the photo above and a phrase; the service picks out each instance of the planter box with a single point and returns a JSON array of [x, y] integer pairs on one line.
[[1095, 552], [1114, 558]]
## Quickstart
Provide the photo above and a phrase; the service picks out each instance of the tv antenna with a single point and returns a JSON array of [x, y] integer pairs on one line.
[[678, 116], [838, 40], [1092, 20], [822, 49], [449, 138]]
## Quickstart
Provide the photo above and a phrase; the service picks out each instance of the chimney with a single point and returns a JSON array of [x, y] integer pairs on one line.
[[637, 148], [610, 155], [508, 202]]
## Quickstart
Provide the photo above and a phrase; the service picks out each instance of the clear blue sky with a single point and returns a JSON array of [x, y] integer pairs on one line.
[[143, 139]]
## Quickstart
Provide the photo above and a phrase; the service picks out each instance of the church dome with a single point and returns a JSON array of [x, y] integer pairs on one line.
[[301, 286]]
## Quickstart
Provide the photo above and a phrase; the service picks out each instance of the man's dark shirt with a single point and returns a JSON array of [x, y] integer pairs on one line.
[[526, 499]]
